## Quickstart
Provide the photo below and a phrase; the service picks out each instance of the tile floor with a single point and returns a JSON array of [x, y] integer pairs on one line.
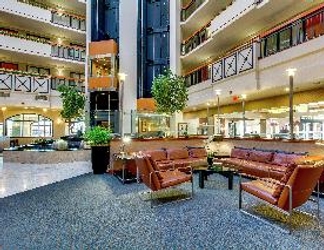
[[16, 178]]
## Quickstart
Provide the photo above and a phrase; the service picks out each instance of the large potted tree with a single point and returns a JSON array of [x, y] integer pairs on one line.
[[99, 139], [73, 102]]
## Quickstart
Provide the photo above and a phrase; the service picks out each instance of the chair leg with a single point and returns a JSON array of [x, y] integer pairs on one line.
[[240, 192], [192, 187], [240, 197], [317, 201]]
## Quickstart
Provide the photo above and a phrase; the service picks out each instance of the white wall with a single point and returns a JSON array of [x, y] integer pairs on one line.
[[307, 58], [24, 46], [128, 56], [231, 14]]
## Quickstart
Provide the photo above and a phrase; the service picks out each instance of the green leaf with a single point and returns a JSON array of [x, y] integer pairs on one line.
[[169, 92], [73, 102]]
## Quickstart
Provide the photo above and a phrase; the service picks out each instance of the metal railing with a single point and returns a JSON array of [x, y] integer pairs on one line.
[[198, 38], [68, 52], [190, 8], [58, 17]]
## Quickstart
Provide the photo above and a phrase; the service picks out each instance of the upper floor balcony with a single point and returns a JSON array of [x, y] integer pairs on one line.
[[249, 70], [17, 42], [27, 15], [197, 13], [189, 8], [240, 23]]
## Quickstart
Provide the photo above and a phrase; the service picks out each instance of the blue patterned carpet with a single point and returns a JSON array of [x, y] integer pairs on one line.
[[98, 212]]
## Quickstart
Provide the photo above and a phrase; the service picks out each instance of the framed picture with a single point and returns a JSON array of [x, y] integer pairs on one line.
[[182, 129]]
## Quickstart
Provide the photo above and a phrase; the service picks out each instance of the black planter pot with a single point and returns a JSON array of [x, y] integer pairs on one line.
[[100, 158], [210, 161]]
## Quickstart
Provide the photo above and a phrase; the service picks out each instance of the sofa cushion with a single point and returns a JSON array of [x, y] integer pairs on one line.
[[177, 154], [284, 159], [157, 155], [261, 156], [198, 153], [260, 189], [240, 153]]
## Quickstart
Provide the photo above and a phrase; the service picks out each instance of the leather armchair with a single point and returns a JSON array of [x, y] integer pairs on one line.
[[161, 179], [292, 191]]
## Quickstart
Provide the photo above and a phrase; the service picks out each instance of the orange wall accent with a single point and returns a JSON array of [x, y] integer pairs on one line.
[[146, 104], [103, 47], [102, 82]]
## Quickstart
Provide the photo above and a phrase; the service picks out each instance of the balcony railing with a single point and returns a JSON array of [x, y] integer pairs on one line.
[[68, 52], [78, 83], [198, 38], [232, 64], [190, 8], [58, 17], [298, 32], [24, 35], [23, 81], [68, 21], [61, 51]]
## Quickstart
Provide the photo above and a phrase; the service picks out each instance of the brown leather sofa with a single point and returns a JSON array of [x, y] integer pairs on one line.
[[261, 163], [177, 157]]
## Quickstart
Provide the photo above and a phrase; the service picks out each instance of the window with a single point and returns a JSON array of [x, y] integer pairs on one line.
[[29, 125], [284, 38], [271, 44], [297, 33]]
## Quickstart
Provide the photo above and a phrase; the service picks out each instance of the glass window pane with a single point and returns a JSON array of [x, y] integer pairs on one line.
[[27, 125], [271, 44], [284, 38], [297, 33]]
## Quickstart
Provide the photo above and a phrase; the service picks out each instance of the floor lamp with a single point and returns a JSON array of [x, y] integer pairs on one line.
[[218, 92], [291, 74]]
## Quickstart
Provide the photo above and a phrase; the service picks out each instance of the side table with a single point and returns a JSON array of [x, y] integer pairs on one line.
[[122, 172]]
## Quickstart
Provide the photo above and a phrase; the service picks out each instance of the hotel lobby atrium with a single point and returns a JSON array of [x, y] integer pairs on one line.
[[250, 140]]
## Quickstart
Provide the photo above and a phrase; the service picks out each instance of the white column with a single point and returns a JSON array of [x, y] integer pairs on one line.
[[175, 37], [87, 64], [128, 16], [175, 66]]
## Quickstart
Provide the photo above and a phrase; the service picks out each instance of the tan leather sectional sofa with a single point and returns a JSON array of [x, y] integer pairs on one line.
[[261, 163]]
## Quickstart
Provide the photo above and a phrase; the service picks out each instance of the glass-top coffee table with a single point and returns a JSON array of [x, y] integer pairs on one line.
[[218, 168]]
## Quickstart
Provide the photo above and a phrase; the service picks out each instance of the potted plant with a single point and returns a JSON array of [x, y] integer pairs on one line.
[[99, 139]]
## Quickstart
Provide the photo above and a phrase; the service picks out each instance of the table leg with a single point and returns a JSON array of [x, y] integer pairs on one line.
[[201, 178], [230, 181], [123, 171]]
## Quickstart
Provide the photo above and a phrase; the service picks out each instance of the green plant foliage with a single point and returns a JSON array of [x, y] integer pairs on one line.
[[73, 102], [98, 136], [169, 92]]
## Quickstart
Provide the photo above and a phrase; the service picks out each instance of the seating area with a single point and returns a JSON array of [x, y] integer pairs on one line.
[[208, 211]]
